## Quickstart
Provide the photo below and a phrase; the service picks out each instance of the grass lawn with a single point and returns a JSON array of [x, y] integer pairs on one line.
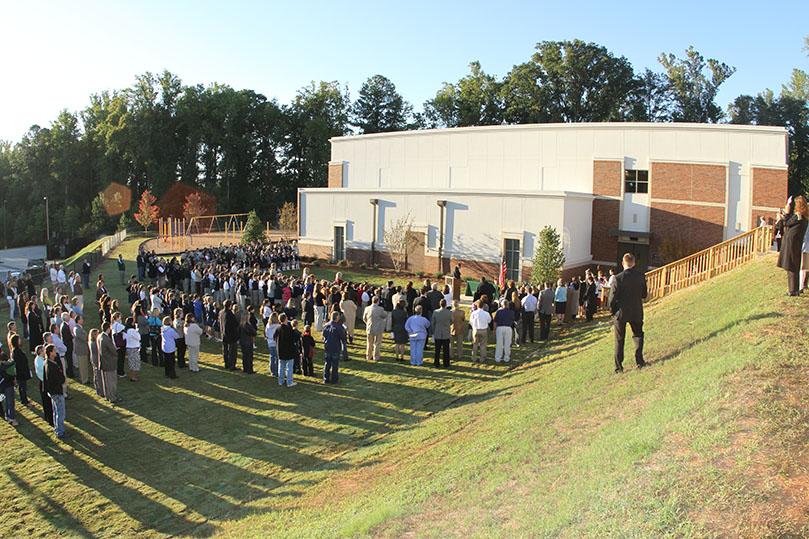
[[710, 440]]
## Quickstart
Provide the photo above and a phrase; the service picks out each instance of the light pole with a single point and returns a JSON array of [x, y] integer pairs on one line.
[[443, 205], [47, 222], [375, 204]]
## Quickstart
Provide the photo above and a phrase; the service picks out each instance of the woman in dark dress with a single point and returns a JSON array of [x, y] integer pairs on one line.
[[400, 334], [590, 298], [34, 316], [22, 367], [792, 222]]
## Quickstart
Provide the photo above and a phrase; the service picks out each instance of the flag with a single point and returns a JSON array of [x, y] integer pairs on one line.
[[502, 279]]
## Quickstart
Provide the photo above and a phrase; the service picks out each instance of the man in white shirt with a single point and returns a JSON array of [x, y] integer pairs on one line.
[[61, 279], [479, 321], [529, 305]]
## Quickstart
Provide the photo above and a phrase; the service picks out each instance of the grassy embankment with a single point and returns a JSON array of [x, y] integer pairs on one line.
[[711, 439]]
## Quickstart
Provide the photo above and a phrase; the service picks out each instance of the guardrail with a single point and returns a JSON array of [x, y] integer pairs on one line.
[[709, 263]]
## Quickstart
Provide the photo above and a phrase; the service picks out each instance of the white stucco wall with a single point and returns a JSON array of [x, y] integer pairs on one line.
[[543, 157], [475, 223], [510, 181]]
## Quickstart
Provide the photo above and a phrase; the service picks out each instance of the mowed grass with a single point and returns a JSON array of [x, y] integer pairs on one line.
[[710, 440], [192, 451]]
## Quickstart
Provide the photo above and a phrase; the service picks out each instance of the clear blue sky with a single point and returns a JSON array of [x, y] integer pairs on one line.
[[55, 54]]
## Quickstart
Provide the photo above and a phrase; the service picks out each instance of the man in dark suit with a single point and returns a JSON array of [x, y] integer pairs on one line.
[[626, 304]]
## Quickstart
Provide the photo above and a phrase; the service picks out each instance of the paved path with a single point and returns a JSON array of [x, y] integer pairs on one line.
[[17, 259]]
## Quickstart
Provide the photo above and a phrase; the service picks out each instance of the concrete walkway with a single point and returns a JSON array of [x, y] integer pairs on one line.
[[17, 259]]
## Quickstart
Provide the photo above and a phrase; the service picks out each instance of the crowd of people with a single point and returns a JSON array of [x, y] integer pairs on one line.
[[242, 295]]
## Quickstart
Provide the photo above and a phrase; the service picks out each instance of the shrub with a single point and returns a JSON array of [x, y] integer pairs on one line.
[[364, 265], [316, 263], [439, 275], [419, 274]]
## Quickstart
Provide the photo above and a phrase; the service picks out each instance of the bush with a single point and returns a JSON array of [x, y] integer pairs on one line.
[[419, 274], [341, 263], [364, 265], [316, 263], [376, 267], [439, 275]]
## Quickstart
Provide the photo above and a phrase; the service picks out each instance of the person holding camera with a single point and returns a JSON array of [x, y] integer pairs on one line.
[[792, 222]]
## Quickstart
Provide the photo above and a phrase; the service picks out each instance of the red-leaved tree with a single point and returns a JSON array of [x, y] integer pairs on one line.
[[147, 210]]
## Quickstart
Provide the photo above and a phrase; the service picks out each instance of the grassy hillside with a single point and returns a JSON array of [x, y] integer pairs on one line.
[[711, 439]]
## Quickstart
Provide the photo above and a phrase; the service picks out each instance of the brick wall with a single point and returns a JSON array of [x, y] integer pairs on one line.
[[699, 226], [769, 216], [687, 181], [606, 214], [607, 177], [336, 175], [769, 187]]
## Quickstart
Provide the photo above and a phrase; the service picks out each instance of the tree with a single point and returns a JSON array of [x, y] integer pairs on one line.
[[399, 239], [148, 211], [549, 258], [379, 107], [99, 217], [652, 100], [253, 229], [125, 222], [318, 113], [695, 88], [288, 217], [568, 81], [474, 100], [194, 207]]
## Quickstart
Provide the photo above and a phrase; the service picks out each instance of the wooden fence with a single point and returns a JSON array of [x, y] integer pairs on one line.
[[709, 263]]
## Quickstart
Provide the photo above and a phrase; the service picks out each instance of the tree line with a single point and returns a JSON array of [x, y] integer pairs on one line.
[[247, 152]]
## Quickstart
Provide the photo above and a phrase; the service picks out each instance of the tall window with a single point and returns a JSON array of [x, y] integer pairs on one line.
[[512, 252], [636, 181], [339, 243]]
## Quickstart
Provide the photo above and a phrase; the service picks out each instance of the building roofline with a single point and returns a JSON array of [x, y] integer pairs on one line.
[[661, 126], [446, 191]]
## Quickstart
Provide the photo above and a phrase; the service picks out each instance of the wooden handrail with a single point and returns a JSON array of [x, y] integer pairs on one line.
[[708, 263]]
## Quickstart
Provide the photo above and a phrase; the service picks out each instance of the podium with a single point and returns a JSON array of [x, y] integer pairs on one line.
[[455, 286]]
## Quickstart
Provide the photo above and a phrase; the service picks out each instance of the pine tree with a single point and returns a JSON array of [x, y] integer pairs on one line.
[[253, 230], [549, 258]]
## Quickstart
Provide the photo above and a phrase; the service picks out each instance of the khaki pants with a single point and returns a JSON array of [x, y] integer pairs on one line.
[[372, 349], [456, 346], [480, 337], [84, 368]]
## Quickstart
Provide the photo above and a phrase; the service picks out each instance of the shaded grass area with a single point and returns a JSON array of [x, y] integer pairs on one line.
[[180, 454], [710, 440]]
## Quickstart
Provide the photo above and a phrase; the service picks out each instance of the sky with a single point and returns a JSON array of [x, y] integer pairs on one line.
[[57, 54]]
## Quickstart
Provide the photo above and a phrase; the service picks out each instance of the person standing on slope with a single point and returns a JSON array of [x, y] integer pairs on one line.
[[626, 304]]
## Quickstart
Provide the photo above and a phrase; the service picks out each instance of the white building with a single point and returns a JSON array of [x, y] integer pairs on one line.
[[488, 191]]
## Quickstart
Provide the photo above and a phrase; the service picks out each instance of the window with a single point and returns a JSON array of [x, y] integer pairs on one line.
[[512, 252], [339, 243], [636, 181]]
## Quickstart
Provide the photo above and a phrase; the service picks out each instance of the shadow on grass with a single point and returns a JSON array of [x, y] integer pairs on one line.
[[47, 507], [194, 482]]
